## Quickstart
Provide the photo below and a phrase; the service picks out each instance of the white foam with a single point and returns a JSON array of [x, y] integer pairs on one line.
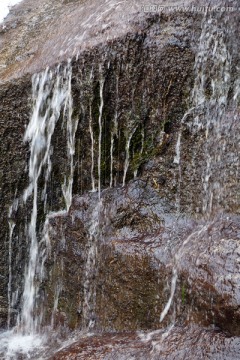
[[12, 344]]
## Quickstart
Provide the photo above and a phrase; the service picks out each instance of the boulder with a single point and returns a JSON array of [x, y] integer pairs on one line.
[[178, 343]]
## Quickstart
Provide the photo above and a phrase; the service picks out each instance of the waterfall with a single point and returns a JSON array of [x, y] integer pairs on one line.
[[52, 100], [51, 95], [211, 107], [210, 99], [89, 103], [39, 133]]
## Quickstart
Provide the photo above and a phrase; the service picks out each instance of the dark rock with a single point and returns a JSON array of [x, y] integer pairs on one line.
[[132, 57], [111, 261]]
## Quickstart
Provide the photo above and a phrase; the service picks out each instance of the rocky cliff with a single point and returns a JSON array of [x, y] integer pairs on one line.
[[145, 106]]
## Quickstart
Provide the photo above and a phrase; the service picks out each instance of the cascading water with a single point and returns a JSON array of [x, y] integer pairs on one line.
[[213, 47], [207, 112], [52, 97], [52, 100], [117, 133], [90, 270], [39, 133], [92, 148]]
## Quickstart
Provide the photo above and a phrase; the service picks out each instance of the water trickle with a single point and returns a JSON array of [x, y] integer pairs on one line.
[[175, 266], [177, 160], [90, 271], [92, 148], [126, 163], [177, 157], [170, 300], [100, 131], [58, 290], [11, 228], [72, 124], [114, 131], [129, 135], [111, 158], [135, 172], [12, 225]]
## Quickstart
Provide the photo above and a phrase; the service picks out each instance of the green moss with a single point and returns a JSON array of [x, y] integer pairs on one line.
[[144, 153], [183, 294]]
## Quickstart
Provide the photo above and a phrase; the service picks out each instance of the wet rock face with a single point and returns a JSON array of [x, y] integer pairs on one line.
[[131, 270], [169, 121], [210, 127], [36, 35], [125, 282], [147, 78], [122, 274], [63, 287], [13, 177], [209, 267], [178, 343]]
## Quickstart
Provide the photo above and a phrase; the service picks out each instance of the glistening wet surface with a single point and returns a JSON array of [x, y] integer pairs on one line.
[[151, 239], [176, 343]]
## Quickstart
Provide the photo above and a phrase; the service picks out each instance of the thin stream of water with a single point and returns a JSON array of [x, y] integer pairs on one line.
[[211, 46], [100, 133]]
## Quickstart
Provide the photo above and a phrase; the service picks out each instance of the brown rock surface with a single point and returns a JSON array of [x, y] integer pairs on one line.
[[132, 271], [145, 59], [40, 34], [208, 264], [117, 275], [186, 343]]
